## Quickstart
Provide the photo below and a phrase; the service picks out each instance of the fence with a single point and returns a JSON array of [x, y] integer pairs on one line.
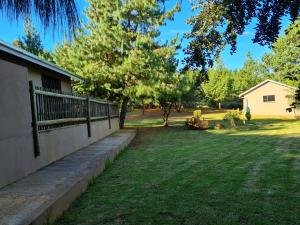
[[52, 109]]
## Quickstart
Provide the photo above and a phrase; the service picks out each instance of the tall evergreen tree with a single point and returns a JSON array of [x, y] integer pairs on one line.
[[218, 88], [116, 50], [283, 62], [248, 76], [31, 41]]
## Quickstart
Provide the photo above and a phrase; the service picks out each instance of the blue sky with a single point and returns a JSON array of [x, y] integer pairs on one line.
[[12, 30]]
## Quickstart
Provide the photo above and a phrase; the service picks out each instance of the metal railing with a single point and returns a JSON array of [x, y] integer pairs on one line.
[[52, 109]]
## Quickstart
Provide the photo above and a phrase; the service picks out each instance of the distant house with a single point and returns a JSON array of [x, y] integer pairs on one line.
[[269, 98]]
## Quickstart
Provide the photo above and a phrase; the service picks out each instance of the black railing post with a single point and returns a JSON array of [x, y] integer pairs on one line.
[[88, 116], [34, 123], [108, 114]]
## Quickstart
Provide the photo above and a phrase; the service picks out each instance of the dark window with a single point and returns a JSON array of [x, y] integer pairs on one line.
[[51, 83], [269, 98]]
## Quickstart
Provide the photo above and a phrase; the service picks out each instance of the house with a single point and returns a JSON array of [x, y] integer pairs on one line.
[[41, 120], [269, 98], [41, 73]]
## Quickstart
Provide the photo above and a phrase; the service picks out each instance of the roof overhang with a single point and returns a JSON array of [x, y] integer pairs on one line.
[[263, 83], [28, 57]]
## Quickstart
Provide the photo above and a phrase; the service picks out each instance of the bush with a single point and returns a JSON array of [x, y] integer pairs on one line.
[[247, 113], [233, 118], [248, 116], [197, 113]]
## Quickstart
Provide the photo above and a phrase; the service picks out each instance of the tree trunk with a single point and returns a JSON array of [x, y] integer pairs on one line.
[[166, 114], [143, 107], [178, 108], [165, 118], [219, 105], [123, 112]]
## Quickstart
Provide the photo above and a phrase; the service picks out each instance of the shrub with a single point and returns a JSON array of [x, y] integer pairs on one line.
[[247, 113], [248, 116], [197, 113], [233, 118]]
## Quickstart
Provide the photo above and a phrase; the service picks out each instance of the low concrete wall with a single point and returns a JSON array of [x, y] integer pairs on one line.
[[16, 154], [59, 142]]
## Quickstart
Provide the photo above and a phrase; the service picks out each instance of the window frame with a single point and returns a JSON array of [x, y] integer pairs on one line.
[[269, 98]]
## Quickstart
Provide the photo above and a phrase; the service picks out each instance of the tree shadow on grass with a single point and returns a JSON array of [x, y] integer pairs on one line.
[[173, 175], [256, 124]]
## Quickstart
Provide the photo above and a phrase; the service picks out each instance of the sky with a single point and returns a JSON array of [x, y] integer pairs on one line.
[[11, 30]]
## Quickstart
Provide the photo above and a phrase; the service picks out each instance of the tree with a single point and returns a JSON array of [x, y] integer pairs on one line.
[[283, 62], [225, 85], [248, 76], [186, 88], [50, 12], [116, 50], [167, 96], [31, 41], [296, 102], [144, 96], [219, 85], [219, 22], [166, 89]]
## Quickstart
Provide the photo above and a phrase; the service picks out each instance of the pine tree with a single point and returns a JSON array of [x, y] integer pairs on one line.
[[31, 41], [248, 76], [218, 88], [116, 50], [283, 61]]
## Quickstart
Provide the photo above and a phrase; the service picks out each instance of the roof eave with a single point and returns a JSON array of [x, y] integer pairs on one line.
[[261, 84], [16, 52]]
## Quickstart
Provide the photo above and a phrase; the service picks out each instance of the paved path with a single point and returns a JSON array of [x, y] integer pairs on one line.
[[42, 196]]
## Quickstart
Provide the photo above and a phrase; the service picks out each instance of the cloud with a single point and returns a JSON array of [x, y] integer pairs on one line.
[[246, 33], [179, 31]]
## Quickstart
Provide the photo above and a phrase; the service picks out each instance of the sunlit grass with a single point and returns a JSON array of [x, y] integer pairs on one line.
[[176, 176]]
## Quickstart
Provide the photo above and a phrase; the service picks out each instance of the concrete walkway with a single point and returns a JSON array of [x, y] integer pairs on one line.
[[42, 196]]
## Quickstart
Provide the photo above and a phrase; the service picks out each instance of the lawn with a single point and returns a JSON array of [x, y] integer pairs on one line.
[[178, 176]]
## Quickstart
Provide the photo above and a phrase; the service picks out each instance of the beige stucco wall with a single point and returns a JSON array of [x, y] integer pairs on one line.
[[254, 100], [16, 145], [59, 142], [16, 141], [36, 77]]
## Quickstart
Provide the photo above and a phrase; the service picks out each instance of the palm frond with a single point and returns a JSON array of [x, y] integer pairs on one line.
[[51, 12]]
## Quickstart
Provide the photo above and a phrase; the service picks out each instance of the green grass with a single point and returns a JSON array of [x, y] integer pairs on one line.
[[178, 176]]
